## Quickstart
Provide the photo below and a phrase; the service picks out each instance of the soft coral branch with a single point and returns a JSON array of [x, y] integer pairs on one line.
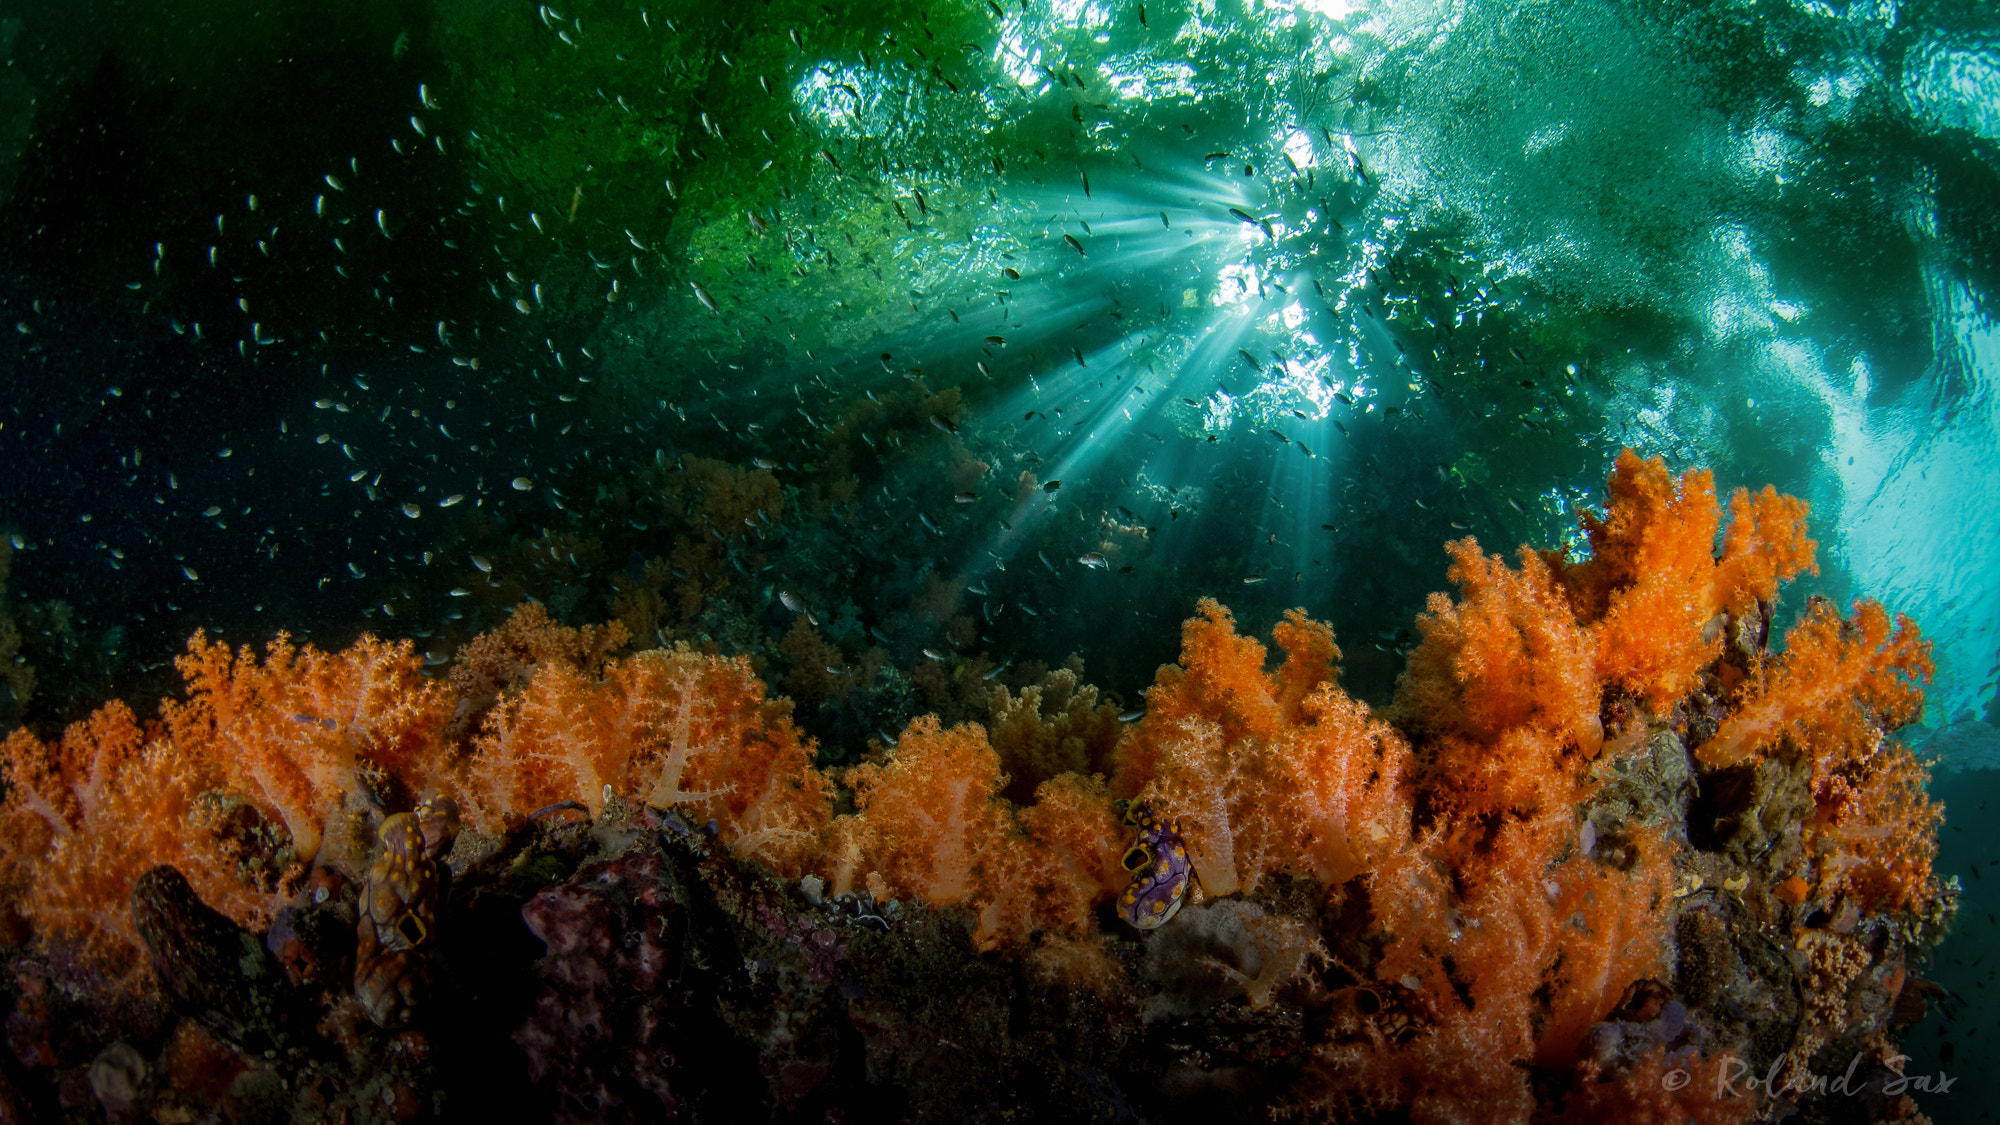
[[86, 817], [1836, 686], [301, 732], [1266, 771], [930, 823], [668, 727], [1504, 680], [1654, 582]]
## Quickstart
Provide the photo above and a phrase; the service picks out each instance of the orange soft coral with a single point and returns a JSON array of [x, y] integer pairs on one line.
[[1340, 804], [1833, 694], [1265, 771], [1503, 681], [1516, 952], [1875, 829], [310, 737], [1838, 684], [86, 817], [1076, 842], [1516, 655], [1657, 1090], [528, 640], [930, 823], [771, 803], [667, 727], [1053, 727], [712, 503], [1653, 582]]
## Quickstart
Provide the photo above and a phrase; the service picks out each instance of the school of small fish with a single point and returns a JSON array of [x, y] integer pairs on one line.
[[1070, 381]]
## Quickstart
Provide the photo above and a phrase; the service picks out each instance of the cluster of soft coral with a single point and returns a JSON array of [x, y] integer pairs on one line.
[[1455, 825], [271, 767]]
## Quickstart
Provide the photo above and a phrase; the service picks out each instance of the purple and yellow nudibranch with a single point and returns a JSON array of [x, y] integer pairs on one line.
[[1162, 877]]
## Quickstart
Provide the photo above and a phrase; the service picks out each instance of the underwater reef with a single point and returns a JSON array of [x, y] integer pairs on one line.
[[1613, 852]]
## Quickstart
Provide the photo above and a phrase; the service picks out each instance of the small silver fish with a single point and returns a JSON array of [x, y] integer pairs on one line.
[[702, 295], [1132, 716], [791, 600], [523, 484], [1075, 245], [1095, 561]]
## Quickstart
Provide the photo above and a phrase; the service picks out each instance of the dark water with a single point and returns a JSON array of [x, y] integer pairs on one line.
[[1290, 295]]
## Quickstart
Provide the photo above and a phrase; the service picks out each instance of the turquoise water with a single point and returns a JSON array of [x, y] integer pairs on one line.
[[1286, 296]]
